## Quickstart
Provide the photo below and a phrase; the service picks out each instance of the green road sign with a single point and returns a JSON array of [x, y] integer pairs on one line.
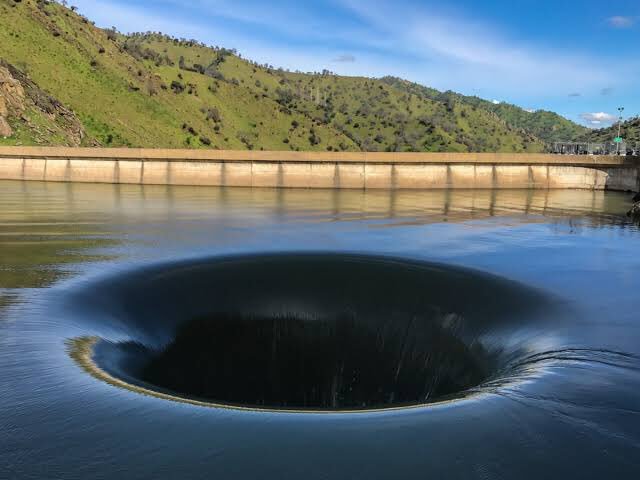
[[618, 139]]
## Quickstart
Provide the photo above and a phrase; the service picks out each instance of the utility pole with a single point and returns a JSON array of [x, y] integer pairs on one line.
[[619, 138]]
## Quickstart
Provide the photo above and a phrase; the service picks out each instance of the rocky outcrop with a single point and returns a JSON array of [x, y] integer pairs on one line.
[[5, 128], [20, 97], [636, 198], [12, 99]]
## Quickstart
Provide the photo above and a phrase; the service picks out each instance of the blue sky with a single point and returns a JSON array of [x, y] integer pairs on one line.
[[580, 58]]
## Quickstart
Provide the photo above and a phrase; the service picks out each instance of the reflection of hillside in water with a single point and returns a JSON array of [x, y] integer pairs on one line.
[[44, 231], [45, 228]]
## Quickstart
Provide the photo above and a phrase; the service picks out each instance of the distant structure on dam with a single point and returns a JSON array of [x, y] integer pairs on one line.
[[356, 170], [589, 148]]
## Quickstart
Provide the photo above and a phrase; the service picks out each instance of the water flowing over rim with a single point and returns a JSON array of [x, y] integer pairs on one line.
[[107, 308]]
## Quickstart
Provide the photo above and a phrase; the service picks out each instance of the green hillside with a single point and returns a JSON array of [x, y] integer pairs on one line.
[[150, 90], [630, 131], [547, 126], [29, 114]]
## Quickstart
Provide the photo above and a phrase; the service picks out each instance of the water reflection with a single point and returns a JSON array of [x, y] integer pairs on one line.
[[573, 409], [46, 228], [78, 207]]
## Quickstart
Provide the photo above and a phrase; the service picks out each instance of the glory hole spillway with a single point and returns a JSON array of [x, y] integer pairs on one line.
[[339, 339], [150, 330]]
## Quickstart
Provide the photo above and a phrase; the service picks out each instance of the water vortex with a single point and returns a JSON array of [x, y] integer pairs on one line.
[[304, 331]]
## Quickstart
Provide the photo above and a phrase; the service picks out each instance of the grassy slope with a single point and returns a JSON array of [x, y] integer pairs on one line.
[[37, 118], [61, 65], [630, 132], [38, 130], [125, 98], [547, 126], [112, 98], [369, 112]]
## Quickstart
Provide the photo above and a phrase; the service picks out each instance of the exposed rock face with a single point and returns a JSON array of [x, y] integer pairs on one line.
[[636, 198], [5, 128], [19, 95], [11, 100]]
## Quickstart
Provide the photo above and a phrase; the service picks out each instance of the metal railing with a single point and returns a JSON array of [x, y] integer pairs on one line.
[[587, 148]]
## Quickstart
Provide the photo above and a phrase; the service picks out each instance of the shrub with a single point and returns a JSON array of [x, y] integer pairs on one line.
[[284, 96], [112, 34], [213, 72], [313, 138], [213, 114], [245, 138], [177, 87]]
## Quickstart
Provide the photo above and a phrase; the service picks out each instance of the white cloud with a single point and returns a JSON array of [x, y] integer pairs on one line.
[[620, 21], [599, 118]]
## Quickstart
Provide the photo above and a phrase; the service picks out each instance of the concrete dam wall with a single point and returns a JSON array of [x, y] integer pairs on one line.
[[357, 170]]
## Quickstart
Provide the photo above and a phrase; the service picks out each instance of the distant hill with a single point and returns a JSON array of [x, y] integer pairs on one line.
[[150, 90], [547, 126], [630, 131]]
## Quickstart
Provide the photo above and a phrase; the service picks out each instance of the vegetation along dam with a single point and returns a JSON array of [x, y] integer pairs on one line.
[[352, 170]]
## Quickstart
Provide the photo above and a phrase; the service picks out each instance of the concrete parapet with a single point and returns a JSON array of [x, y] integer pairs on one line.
[[355, 170]]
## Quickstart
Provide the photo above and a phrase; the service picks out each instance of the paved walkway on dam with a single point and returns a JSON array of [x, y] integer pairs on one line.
[[319, 169]]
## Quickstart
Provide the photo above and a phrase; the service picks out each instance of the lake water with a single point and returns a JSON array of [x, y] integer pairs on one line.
[[439, 334]]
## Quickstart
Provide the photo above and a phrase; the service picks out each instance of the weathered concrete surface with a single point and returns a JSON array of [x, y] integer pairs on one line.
[[371, 170]]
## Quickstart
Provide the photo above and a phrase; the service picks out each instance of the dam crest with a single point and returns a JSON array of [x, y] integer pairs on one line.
[[343, 170]]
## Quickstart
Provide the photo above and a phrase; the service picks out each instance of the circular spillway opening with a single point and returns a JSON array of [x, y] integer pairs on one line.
[[329, 363], [309, 332]]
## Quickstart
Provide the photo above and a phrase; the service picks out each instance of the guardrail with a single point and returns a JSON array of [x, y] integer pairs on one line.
[[588, 148]]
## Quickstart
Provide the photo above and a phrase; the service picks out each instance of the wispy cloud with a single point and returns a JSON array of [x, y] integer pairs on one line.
[[605, 92], [459, 50], [598, 118], [621, 21], [575, 95], [346, 58], [434, 45]]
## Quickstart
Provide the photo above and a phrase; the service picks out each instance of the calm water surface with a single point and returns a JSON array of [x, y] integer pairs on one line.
[[89, 261]]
